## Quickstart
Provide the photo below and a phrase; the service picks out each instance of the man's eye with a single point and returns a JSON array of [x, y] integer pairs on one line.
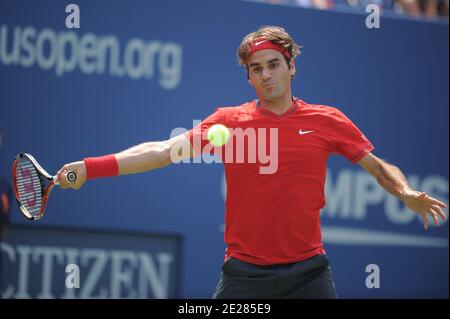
[[257, 69], [273, 65]]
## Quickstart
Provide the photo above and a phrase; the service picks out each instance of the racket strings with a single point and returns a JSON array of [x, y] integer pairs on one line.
[[29, 186]]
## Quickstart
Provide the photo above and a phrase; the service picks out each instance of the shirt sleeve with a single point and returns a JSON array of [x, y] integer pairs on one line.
[[350, 142], [197, 136]]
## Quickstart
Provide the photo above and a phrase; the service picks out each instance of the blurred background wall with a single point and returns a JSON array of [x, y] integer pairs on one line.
[[134, 71]]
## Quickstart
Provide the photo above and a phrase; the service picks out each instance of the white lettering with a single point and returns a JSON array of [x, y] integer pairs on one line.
[[373, 280], [47, 254], [100, 259], [9, 250], [367, 192], [148, 273], [66, 50], [73, 279], [73, 19], [24, 262], [122, 275], [373, 19]]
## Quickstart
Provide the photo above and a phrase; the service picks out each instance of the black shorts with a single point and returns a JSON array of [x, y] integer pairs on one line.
[[307, 279]]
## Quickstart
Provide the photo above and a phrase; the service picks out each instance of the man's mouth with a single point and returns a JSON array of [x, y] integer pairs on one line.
[[269, 84]]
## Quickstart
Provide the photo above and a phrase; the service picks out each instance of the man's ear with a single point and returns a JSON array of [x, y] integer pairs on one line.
[[293, 68]]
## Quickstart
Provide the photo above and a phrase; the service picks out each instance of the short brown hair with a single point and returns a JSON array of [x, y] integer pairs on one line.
[[274, 34]]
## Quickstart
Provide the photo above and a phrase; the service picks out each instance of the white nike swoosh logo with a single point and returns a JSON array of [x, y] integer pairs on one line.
[[258, 43], [304, 132]]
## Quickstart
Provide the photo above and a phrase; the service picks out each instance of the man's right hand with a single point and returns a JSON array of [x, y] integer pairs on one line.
[[79, 168]]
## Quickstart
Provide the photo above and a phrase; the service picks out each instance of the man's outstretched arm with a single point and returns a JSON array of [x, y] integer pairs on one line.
[[137, 159], [392, 179]]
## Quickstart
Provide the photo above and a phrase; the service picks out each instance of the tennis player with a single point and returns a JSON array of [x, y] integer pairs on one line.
[[273, 234]]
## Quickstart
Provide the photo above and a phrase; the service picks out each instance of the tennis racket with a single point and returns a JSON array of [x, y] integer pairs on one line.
[[32, 185]]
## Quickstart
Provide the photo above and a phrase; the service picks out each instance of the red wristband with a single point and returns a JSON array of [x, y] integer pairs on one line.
[[103, 166]]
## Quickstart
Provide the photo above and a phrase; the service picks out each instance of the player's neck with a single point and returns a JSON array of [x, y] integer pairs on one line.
[[278, 106]]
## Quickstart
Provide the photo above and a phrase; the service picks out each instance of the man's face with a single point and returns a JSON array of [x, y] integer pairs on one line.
[[269, 74]]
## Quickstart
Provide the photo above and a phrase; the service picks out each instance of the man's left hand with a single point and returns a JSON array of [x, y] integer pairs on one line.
[[423, 204]]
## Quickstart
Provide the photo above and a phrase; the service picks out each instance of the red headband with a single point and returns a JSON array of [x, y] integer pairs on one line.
[[263, 44]]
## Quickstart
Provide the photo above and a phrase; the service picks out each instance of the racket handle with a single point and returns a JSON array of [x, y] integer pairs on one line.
[[71, 177]]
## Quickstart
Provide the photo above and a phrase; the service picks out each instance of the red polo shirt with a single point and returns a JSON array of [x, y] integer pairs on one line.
[[275, 183]]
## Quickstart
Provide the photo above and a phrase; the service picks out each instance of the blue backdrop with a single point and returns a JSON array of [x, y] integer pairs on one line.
[[136, 70]]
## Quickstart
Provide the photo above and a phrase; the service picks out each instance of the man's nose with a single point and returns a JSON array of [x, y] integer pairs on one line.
[[266, 74]]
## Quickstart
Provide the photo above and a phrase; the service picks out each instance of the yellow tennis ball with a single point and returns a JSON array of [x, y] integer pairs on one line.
[[218, 135]]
